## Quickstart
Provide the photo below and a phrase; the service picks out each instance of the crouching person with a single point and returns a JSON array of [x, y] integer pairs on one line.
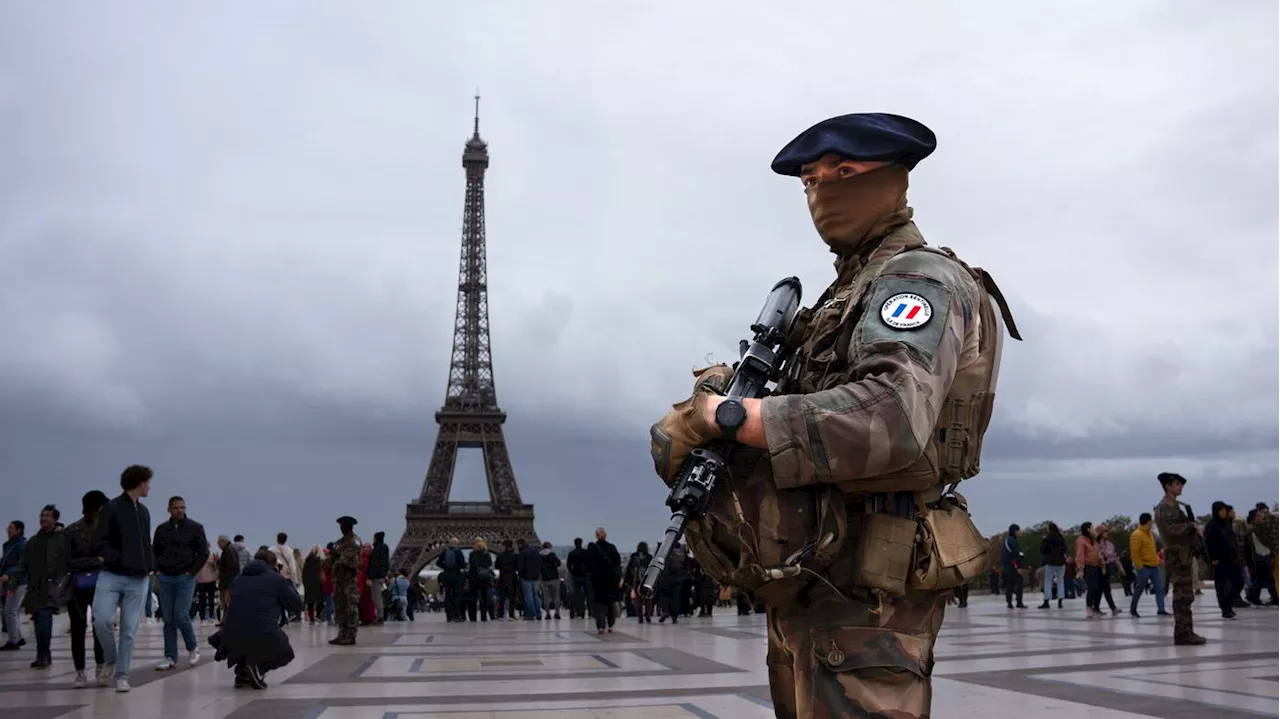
[[251, 639]]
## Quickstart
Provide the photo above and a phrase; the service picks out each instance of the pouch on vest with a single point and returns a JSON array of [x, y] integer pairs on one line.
[[884, 554], [952, 550], [789, 558]]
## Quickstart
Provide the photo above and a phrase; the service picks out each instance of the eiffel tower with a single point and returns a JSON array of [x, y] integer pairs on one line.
[[470, 417]]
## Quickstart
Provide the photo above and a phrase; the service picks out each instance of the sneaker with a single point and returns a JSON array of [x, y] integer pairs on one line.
[[165, 665], [103, 673], [81, 681], [194, 657], [255, 677], [122, 685]]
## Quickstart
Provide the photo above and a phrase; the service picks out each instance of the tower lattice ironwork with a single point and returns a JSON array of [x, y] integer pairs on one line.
[[470, 417]]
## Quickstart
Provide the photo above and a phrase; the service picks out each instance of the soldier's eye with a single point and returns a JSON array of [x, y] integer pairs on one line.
[[845, 171]]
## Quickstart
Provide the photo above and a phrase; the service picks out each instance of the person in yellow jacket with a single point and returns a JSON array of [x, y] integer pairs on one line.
[[1146, 563]]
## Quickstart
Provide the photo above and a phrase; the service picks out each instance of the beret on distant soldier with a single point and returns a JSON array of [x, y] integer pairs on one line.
[[346, 521], [869, 136], [1168, 478]]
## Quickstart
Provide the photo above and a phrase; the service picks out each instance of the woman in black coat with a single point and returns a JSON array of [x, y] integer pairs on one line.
[[251, 639]]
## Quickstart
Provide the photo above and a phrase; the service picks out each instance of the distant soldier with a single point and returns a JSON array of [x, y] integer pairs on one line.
[[345, 559], [1179, 533]]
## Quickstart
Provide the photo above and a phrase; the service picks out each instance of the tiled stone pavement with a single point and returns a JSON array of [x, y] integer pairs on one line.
[[990, 663]]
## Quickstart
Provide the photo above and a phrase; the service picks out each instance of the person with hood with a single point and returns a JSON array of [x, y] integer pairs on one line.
[[44, 570], [1054, 550], [1011, 557], [550, 573], [1220, 543], [637, 565], [251, 639]]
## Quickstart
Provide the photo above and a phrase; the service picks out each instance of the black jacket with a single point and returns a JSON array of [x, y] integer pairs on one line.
[[508, 571], [251, 628], [550, 565], [180, 547], [605, 566], [576, 564], [228, 567], [529, 563], [1220, 541], [379, 561], [1054, 550], [477, 562], [123, 538]]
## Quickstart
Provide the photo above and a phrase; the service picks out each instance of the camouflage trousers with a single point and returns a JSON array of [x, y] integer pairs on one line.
[[346, 604], [834, 659], [1182, 584]]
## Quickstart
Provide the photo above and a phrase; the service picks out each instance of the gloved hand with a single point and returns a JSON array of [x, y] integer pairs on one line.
[[685, 427]]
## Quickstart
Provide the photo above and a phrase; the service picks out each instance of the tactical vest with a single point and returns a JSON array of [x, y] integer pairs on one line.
[[786, 540]]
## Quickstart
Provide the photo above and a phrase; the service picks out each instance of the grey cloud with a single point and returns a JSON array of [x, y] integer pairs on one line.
[[229, 239]]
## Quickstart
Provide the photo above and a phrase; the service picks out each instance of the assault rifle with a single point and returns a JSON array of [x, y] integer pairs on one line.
[[1198, 548], [761, 361]]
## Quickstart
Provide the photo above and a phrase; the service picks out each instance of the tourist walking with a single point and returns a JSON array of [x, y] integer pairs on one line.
[[123, 540]]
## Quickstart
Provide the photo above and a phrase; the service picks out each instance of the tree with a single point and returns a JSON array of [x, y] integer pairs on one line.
[[1120, 523]]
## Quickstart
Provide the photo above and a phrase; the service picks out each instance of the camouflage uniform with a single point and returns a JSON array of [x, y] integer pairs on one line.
[[345, 559], [869, 410], [1179, 534]]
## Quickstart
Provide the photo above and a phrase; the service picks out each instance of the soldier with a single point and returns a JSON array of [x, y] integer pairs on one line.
[[345, 559], [1179, 533], [882, 407]]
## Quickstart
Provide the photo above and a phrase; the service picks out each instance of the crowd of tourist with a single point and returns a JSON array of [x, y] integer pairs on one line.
[[109, 572], [1239, 555]]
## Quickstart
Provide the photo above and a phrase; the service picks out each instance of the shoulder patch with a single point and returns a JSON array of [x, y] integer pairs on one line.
[[902, 309], [906, 311]]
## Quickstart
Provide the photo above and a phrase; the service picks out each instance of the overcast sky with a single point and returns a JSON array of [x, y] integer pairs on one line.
[[229, 240]]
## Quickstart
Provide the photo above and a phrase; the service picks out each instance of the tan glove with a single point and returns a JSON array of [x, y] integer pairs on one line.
[[685, 428]]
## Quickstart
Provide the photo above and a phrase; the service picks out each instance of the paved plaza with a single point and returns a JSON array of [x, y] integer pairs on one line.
[[990, 663]]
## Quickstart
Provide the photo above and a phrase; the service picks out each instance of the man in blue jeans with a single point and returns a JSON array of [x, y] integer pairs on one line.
[[181, 549], [1142, 549], [529, 566], [123, 540]]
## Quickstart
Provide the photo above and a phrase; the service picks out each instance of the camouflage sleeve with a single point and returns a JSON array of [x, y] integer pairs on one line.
[[1175, 522], [882, 420]]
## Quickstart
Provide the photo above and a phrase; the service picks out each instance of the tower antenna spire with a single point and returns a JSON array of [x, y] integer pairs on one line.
[[477, 124]]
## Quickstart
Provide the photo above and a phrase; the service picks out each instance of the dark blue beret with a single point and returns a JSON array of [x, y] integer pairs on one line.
[[861, 136]]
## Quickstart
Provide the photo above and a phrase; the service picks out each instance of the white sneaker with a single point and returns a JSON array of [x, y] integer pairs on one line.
[[103, 673], [122, 685], [165, 665], [193, 658], [81, 681]]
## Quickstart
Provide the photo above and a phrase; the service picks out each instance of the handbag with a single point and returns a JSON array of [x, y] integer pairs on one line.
[[86, 580]]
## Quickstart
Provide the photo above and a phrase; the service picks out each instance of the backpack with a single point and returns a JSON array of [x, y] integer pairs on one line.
[[450, 559]]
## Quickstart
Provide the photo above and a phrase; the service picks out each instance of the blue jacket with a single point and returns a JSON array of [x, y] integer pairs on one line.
[[1011, 554], [13, 550]]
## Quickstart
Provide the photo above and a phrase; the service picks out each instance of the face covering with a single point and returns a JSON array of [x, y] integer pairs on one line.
[[851, 211]]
